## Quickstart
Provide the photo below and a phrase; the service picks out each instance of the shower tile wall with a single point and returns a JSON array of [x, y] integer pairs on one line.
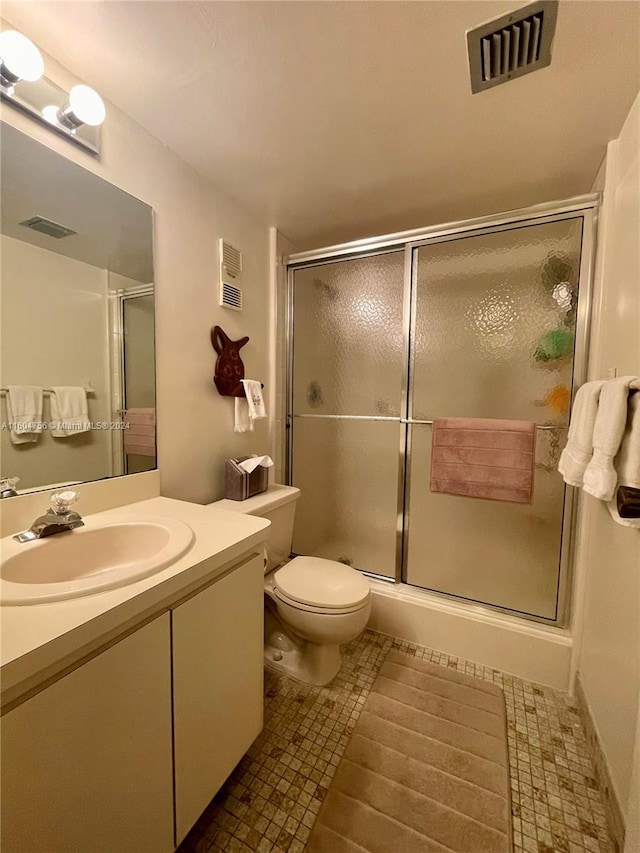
[[271, 800]]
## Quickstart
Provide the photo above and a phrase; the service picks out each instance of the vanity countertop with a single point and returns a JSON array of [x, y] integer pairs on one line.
[[40, 641]]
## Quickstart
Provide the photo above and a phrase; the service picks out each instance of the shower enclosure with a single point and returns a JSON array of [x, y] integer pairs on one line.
[[486, 318], [132, 333]]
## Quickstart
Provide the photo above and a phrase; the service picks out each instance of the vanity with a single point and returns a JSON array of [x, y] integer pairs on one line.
[[124, 711]]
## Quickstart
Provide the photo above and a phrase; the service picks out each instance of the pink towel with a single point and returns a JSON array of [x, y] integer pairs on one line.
[[140, 434], [484, 458]]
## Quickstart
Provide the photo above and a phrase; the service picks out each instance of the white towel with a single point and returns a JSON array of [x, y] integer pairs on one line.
[[69, 410], [255, 400], [577, 454], [243, 422], [627, 462], [24, 413], [600, 476]]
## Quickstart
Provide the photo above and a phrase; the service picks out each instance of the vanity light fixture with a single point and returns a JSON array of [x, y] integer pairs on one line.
[[20, 59], [85, 107], [77, 114]]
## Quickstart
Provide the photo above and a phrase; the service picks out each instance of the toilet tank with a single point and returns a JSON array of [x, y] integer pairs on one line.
[[277, 505]]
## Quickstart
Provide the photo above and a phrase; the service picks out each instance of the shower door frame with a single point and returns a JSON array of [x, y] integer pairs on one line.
[[584, 207]]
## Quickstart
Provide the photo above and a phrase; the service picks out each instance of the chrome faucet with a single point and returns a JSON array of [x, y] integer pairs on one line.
[[56, 520], [8, 487]]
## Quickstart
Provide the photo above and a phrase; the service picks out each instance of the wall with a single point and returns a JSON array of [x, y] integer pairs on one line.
[[195, 432], [38, 285], [608, 631]]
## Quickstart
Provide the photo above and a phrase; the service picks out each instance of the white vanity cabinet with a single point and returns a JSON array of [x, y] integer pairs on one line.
[[86, 763], [124, 752], [217, 685]]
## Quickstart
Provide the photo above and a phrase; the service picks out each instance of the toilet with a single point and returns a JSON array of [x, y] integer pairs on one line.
[[312, 605]]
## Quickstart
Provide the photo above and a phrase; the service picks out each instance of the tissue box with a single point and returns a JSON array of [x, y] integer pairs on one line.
[[239, 484]]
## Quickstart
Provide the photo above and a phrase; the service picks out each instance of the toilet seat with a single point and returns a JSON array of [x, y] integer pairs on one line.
[[323, 611], [321, 586]]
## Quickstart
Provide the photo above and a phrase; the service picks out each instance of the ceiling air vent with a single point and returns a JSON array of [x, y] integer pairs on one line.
[[230, 276], [48, 227], [511, 46]]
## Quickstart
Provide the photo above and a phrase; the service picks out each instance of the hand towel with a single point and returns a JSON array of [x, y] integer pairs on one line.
[[140, 432], [600, 476], [69, 410], [627, 462], [579, 449], [483, 458], [253, 393], [24, 413], [243, 422]]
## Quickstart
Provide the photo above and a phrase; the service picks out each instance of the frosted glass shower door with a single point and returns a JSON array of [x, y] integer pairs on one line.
[[494, 326], [345, 418]]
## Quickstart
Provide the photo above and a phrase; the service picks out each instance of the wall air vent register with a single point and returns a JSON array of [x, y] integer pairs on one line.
[[230, 275]]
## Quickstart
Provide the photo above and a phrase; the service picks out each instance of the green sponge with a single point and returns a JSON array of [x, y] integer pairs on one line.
[[554, 345]]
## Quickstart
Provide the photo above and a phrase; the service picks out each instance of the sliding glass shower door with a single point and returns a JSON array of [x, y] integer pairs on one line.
[[348, 367], [494, 328], [479, 321]]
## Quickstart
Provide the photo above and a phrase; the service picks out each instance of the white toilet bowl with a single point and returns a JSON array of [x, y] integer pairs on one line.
[[312, 605], [321, 605]]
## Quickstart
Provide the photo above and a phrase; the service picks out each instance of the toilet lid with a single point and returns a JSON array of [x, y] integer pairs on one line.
[[322, 583]]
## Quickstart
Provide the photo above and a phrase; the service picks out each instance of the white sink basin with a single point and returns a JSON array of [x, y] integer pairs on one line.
[[90, 559]]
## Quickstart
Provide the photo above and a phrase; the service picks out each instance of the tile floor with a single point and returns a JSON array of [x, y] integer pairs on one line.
[[271, 800]]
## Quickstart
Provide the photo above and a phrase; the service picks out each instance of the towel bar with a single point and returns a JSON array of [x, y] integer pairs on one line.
[[397, 420], [87, 388], [428, 423]]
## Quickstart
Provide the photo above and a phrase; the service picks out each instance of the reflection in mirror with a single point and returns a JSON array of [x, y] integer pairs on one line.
[[77, 358]]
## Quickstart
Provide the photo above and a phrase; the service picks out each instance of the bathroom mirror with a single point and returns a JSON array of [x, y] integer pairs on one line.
[[76, 311]]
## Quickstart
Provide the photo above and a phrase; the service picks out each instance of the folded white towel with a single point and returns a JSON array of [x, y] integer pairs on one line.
[[600, 476], [577, 454], [627, 462], [24, 413], [243, 422], [255, 400], [69, 410]]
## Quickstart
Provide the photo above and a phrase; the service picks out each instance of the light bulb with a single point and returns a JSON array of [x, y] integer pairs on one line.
[[20, 58], [50, 113], [87, 105]]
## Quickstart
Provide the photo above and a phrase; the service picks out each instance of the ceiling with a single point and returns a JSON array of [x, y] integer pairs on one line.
[[113, 229], [340, 120]]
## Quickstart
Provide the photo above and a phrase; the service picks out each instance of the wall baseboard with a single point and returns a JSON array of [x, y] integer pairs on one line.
[[615, 818]]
